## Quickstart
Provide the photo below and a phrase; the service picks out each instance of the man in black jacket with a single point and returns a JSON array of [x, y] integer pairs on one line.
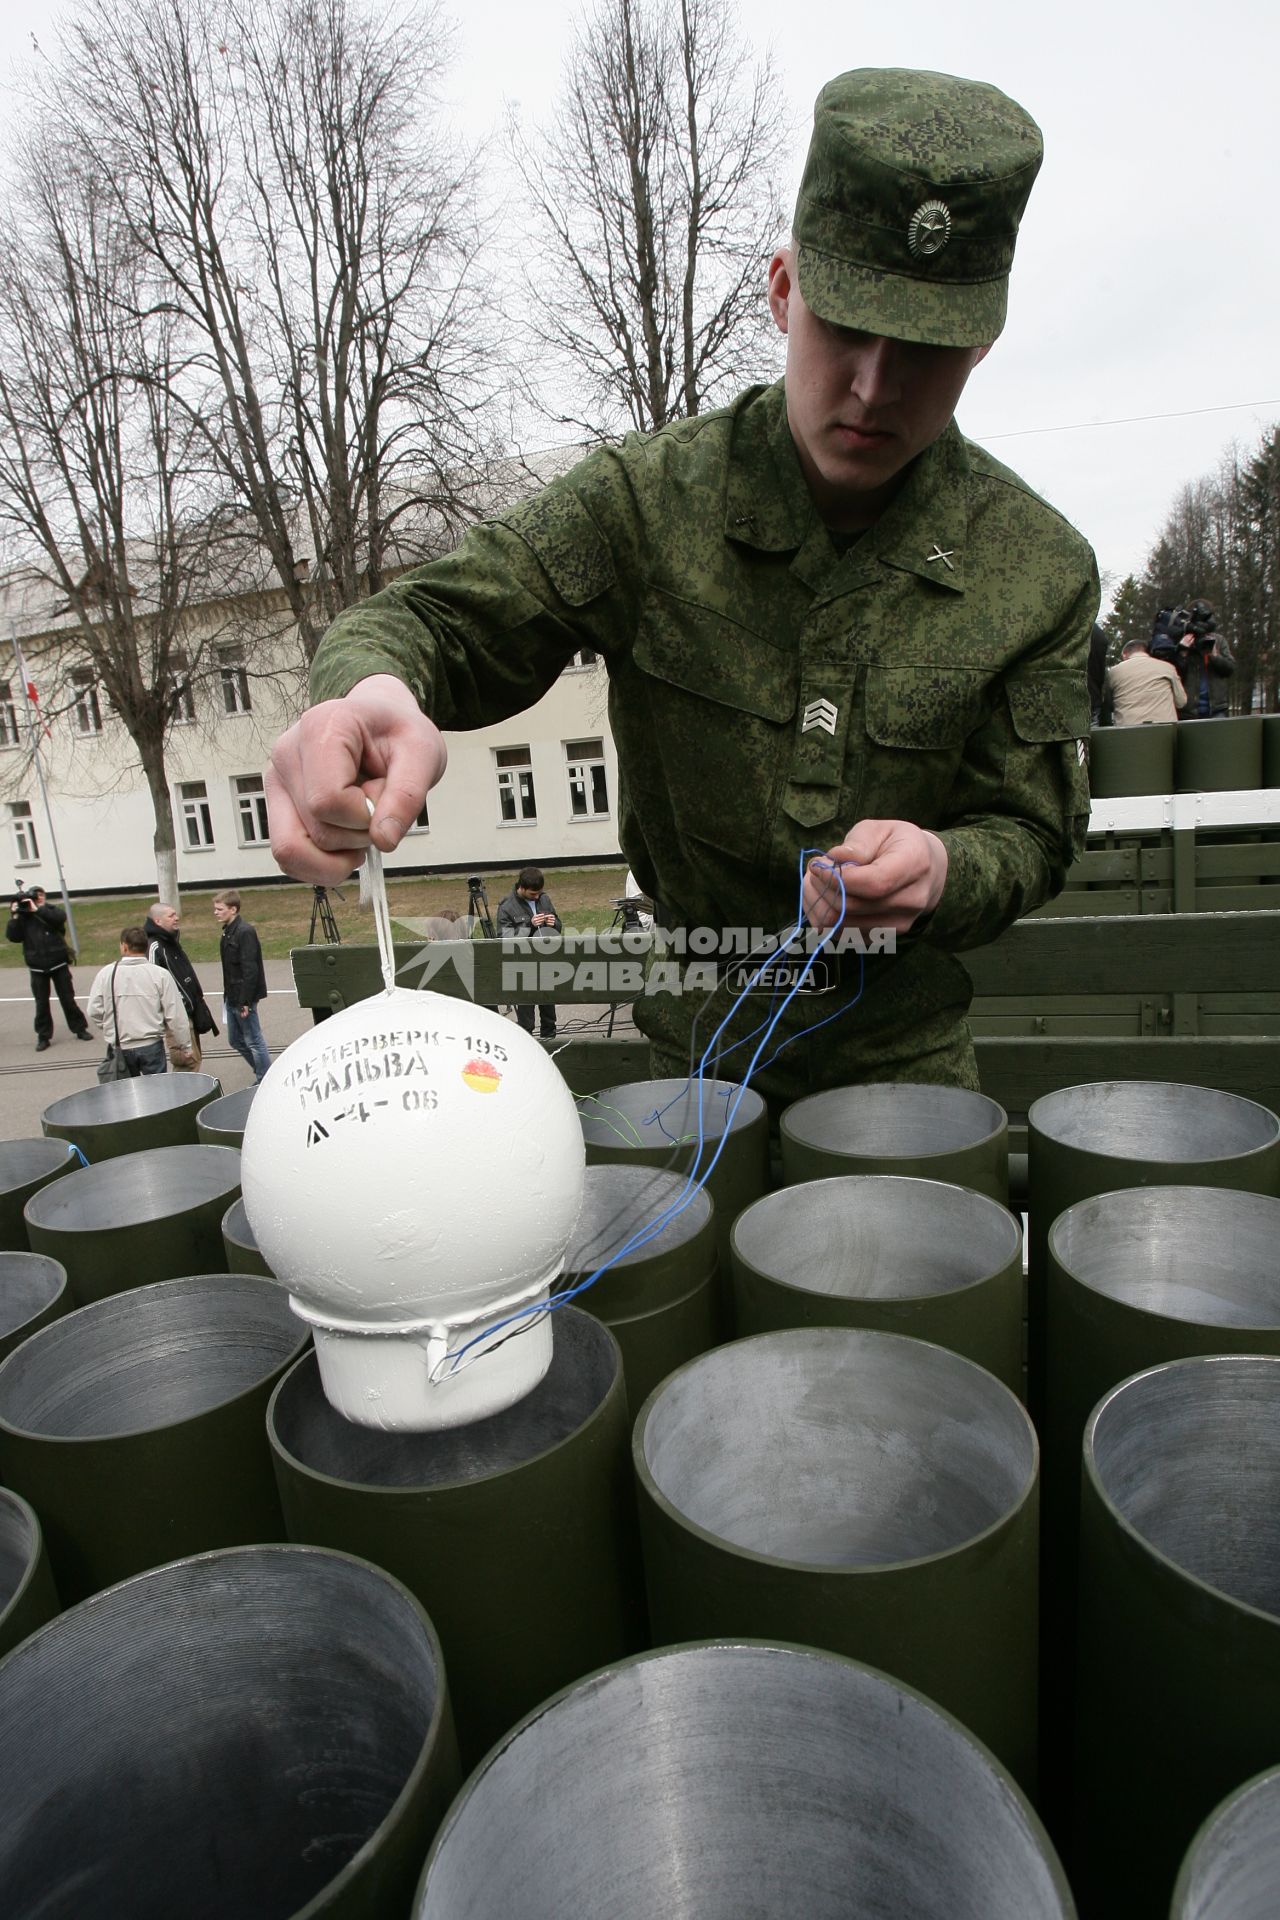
[[244, 982], [527, 909], [39, 926], [163, 950]]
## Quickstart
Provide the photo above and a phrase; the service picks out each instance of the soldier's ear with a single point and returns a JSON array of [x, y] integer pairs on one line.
[[980, 353], [780, 285]]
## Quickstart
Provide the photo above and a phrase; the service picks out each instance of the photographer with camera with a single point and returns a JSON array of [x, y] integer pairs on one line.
[[39, 927], [527, 909], [1205, 664]]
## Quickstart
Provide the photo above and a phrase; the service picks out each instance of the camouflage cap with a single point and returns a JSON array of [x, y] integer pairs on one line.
[[909, 206]]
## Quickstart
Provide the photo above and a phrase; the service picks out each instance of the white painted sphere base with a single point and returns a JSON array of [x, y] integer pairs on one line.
[[412, 1171], [398, 1378]]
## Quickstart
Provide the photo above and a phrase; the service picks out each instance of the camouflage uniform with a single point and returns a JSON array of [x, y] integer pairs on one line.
[[950, 639]]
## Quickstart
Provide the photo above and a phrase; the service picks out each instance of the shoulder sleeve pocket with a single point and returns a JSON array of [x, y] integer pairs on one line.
[[567, 543], [1048, 706]]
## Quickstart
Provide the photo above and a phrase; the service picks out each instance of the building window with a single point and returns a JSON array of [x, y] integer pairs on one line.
[[585, 657], [9, 736], [182, 698], [26, 848], [421, 824], [235, 680], [588, 782], [251, 809], [197, 820], [84, 687], [516, 800]]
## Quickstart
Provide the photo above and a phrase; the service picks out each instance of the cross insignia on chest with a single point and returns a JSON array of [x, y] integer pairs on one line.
[[938, 554]]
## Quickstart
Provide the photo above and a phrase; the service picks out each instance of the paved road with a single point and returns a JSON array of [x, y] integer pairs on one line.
[[30, 1082]]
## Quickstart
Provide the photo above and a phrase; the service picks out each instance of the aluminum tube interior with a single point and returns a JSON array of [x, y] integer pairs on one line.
[[617, 1201], [158, 1184], [1203, 1254], [216, 1738], [1233, 1870], [18, 1542], [116, 1100], [22, 1161], [29, 1282], [236, 1228], [893, 1119], [876, 1236], [722, 1781], [229, 1114], [584, 1365], [667, 1113], [1150, 1120], [149, 1357], [1189, 1456], [834, 1447]]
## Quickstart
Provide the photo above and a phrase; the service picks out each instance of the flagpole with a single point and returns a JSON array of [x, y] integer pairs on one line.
[[33, 729]]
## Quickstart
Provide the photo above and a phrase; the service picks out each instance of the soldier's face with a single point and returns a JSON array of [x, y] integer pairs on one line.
[[860, 407]]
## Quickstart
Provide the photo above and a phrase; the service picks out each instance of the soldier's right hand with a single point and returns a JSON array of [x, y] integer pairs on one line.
[[374, 744]]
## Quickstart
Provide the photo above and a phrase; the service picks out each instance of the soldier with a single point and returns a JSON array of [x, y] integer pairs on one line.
[[832, 625]]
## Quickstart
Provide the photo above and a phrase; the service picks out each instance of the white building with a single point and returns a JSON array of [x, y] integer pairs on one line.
[[541, 789]]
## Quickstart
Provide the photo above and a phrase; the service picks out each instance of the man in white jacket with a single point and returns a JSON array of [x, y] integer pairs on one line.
[[147, 1006]]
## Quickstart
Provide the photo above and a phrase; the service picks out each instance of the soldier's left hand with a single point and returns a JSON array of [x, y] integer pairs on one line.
[[892, 872]]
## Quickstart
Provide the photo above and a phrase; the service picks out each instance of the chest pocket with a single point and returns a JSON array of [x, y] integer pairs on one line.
[[721, 700], [924, 709], [1049, 706]]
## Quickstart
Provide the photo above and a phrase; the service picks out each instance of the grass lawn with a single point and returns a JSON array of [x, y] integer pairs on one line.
[[583, 896]]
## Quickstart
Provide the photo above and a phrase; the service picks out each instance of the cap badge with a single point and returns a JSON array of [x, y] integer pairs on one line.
[[929, 229]]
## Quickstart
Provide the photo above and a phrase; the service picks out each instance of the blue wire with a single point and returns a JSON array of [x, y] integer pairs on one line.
[[694, 1182]]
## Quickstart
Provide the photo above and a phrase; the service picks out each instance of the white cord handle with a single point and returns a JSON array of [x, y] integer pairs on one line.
[[381, 911]]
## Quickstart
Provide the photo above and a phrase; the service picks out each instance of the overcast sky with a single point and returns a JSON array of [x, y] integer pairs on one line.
[[1147, 281]]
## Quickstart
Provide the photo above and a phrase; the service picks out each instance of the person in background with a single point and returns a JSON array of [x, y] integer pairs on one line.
[[1097, 673], [40, 928], [1144, 692], [164, 950], [244, 982], [137, 1006], [527, 909], [1205, 663]]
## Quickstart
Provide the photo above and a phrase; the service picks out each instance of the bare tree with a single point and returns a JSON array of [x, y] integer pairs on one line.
[[655, 206], [315, 232], [104, 490]]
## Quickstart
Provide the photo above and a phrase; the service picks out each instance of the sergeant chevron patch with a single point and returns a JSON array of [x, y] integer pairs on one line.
[[819, 714]]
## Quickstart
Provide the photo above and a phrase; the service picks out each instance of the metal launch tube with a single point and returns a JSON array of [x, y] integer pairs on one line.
[[262, 1733], [517, 1532], [27, 1594], [129, 1116], [863, 1492], [659, 1300], [25, 1166], [620, 1129], [243, 1252], [222, 1122], [33, 1291], [726, 1780], [149, 1216], [1232, 1871], [1178, 1692], [893, 1255], [933, 1133], [135, 1427]]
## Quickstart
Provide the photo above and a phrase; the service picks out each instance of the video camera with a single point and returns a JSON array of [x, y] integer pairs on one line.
[[22, 899]]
